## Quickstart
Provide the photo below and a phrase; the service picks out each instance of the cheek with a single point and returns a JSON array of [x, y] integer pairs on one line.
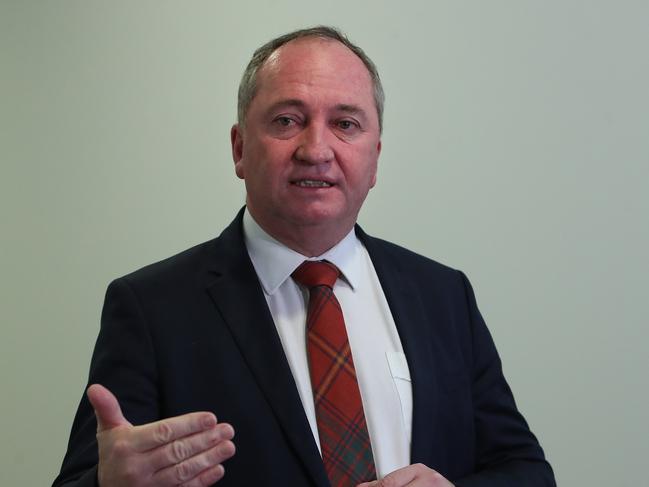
[[365, 172], [253, 160], [272, 155]]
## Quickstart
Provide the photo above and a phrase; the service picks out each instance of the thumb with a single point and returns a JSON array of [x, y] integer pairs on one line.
[[109, 414]]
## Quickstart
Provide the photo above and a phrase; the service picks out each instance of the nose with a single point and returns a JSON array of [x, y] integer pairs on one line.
[[313, 147]]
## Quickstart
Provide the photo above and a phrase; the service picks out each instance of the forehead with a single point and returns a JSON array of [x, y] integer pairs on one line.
[[315, 64]]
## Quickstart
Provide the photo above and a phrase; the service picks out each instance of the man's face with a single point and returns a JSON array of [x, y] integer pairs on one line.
[[309, 149]]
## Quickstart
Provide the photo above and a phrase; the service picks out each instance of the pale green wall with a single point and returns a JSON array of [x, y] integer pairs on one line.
[[516, 148]]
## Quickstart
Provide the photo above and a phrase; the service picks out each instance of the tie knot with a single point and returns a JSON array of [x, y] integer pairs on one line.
[[316, 273]]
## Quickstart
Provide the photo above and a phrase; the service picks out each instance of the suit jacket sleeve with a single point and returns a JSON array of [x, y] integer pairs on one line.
[[124, 362], [507, 453]]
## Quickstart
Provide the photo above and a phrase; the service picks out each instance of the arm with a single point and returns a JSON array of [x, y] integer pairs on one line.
[[497, 449], [105, 449], [507, 452]]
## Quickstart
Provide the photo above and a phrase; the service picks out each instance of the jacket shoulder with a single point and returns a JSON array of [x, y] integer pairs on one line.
[[190, 262], [406, 260]]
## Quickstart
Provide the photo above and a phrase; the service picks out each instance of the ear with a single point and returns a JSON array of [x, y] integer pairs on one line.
[[236, 140]]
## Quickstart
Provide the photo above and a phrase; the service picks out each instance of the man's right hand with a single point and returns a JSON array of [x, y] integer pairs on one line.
[[183, 451]]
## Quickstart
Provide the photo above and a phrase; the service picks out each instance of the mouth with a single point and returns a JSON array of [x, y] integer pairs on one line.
[[312, 183]]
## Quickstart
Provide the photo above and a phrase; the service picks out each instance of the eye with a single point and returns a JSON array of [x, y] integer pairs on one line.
[[284, 121], [347, 125], [285, 125]]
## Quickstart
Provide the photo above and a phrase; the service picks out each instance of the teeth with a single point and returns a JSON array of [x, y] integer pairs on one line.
[[312, 183]]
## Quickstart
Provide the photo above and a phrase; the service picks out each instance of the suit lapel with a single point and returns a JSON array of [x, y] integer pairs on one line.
[[237, 294], [404, 299]]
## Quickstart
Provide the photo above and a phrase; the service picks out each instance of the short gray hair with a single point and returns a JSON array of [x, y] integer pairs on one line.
[[248, 85]]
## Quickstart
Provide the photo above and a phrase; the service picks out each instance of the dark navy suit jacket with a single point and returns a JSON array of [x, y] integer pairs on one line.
[[194, 333]]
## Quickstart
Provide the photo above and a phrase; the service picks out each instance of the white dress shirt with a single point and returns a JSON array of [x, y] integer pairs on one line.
[[381, 367]]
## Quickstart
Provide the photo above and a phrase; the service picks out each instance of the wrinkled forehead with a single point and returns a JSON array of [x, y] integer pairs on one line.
[[312, 60], [305, 49]]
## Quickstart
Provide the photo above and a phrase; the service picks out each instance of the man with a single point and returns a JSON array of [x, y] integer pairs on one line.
[[220, 328]]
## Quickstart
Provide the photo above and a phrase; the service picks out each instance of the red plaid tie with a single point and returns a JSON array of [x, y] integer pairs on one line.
[[345, 443]]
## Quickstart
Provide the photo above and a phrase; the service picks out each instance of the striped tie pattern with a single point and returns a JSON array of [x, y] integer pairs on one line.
[[344, 440]]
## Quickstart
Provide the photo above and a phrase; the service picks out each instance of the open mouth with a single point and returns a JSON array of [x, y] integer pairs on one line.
[[312, 183]]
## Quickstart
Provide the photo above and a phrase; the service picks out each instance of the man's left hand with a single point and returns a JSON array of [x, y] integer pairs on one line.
[[417, 475]]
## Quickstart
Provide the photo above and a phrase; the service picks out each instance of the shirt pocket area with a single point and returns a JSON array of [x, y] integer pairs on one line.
[[401, 376]]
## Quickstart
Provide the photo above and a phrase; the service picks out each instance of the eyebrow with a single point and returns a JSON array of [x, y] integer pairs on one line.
[[295, 102], [291, 102], [351, 109]]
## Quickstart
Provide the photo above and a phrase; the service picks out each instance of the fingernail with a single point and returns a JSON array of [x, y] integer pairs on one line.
[[224, 449], [209, 421], [228, 431]]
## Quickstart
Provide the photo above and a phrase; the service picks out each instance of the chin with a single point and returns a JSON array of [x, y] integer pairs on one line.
[[332, 222], [319, 214]]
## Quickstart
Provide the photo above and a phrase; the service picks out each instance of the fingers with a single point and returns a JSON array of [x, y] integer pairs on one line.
[[109, 414], [183, 448], [186, 450], [197, 469], [398, 478], [153, 435], [208, 477], [417, 475]]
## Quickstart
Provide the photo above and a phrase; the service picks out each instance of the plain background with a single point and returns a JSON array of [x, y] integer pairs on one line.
[[516, 148]]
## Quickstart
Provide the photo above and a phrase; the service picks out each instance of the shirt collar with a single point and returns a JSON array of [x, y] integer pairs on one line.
[[274, 262]]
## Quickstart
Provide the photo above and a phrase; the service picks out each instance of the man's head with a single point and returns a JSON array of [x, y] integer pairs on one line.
[[248, 84], [309, 142]]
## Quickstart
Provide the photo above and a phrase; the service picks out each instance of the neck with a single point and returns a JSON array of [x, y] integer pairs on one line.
[[309, 240]]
